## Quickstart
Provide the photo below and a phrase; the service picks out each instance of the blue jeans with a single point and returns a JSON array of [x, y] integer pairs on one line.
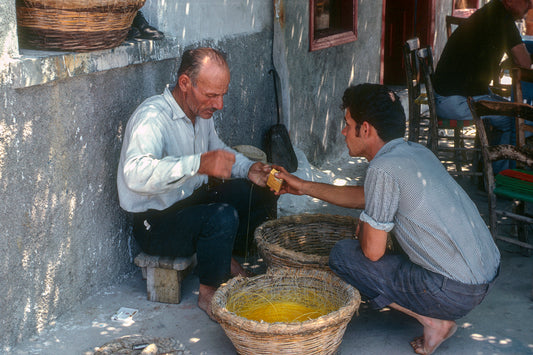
[[212, 222], [394, 278], [455, 107]]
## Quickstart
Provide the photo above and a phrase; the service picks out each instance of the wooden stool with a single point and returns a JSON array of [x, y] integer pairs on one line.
[[164, 275]]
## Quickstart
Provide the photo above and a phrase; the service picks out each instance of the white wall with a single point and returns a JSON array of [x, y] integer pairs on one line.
[[195, 20]]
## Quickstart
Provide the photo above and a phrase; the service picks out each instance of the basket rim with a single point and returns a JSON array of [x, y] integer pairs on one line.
[[304, 218], [332, 319]]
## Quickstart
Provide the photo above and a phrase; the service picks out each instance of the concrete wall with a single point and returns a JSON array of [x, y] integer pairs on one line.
[[62, 234], [200, 19], [318, 79], [8, 39]]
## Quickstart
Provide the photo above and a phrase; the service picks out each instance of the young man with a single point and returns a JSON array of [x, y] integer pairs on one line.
[[449, 258], [170, 149]]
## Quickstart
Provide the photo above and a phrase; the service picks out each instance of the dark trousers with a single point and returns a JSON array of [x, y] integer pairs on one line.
[[394, 278], [213, 222]]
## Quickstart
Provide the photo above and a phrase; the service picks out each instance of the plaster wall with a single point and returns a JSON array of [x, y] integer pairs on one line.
[[8, 38], [62, 235], [318, 79], [191, 21]]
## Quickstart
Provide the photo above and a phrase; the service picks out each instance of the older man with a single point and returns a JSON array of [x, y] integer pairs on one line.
[[449, 260], [170, 149]]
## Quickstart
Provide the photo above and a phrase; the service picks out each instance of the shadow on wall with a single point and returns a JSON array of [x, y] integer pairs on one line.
[[63, 233], [185, 20], [249, 106]]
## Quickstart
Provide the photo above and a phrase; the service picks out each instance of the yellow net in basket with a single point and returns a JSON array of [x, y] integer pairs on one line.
[[280, 312], [271, 305]]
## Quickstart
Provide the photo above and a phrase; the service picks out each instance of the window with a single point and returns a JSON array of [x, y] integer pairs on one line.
[[332, 22]]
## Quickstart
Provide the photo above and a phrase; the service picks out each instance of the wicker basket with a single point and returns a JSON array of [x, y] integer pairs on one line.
[[303, 240], [75, 25], [251, 152], [321, 335]]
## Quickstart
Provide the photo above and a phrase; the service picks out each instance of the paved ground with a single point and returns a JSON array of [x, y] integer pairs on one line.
[[502, 324]]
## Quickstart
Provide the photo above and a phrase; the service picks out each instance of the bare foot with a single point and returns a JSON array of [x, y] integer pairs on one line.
[[238, 270], [205, 296], [435, 333]]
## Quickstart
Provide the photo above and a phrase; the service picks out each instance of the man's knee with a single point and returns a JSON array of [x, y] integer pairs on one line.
[[225, 215], [342, 253]]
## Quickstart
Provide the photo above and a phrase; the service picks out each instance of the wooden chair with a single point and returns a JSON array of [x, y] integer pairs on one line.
[[520, 75], [512, 184], [453, 21], [460, 144], [416, 98]]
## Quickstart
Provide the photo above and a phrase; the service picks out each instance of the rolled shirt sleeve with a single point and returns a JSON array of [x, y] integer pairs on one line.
[[382, 196]]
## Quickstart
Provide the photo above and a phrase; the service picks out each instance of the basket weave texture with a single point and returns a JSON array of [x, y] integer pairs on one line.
[[75, 25], [251, 152], [321, 335], [303, 240]]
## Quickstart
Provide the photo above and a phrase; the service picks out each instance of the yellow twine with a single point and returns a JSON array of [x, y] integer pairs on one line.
[[288, 306], [281, 312]]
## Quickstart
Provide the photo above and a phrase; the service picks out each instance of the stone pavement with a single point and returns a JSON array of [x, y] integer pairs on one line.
[[502, 324]]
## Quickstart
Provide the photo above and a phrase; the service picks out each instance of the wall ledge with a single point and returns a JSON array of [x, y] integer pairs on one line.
[[36, 67]]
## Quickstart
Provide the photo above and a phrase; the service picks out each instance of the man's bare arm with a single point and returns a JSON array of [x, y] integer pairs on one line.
[[521, 56], [373, 241], [344, 196]]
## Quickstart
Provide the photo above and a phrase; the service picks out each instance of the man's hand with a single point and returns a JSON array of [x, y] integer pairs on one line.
[[292, 184], [217, 163], [258, 173], [344, 196]]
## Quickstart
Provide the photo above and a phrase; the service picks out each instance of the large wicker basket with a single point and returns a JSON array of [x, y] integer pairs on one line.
[[303, 240], [321, 335], [75, 25]]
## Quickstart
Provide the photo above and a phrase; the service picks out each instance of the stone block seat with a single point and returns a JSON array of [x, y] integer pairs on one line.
[[164, 275]]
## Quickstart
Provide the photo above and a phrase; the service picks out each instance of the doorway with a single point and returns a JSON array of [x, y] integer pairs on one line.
[[401, 20]]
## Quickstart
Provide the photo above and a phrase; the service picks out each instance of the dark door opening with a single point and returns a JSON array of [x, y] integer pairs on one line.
[[403, 19]]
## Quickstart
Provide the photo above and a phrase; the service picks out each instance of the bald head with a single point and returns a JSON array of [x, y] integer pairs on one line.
[[194, 59]]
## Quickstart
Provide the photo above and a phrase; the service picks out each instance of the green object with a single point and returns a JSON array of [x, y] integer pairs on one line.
[[514, 188]]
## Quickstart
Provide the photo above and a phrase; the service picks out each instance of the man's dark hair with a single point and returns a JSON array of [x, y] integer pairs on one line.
[[379, 106], [192, 60]]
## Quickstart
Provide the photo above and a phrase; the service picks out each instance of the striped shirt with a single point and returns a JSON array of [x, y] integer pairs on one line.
[[408, 191]]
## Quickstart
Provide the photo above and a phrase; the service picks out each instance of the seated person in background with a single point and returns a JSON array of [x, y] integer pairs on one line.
[[448, 260], [170, 148], [471, 59]]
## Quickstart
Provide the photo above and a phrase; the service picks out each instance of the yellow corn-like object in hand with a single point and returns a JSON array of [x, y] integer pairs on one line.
[[273, 182]]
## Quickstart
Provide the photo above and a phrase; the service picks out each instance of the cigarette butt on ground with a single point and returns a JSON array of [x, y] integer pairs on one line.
[[273, 182]]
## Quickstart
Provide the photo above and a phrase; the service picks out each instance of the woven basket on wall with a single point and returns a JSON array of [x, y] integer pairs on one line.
[[303, 240], [321, 335], [75, 25]]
